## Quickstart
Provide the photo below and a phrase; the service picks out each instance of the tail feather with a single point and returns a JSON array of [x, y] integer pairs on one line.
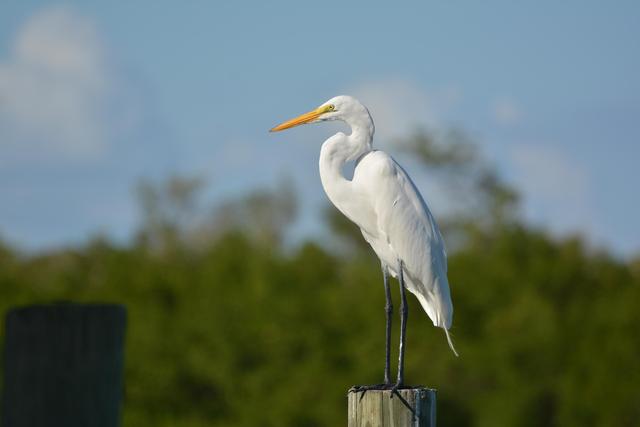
[[446, 331]]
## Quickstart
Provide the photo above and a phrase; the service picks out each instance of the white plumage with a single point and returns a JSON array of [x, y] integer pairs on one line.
[[383, 201]]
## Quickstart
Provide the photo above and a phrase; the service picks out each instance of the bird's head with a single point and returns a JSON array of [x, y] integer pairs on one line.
[[343, 107]]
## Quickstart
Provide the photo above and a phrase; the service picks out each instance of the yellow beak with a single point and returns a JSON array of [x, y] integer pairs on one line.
[[300, 120]]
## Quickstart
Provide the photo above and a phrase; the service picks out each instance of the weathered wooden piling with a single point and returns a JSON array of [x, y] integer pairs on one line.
[[376, 408]]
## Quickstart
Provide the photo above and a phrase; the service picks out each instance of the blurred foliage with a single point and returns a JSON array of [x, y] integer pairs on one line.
[[168, 210], [486, 200], [173, 216], [226, 328], [263, 215]]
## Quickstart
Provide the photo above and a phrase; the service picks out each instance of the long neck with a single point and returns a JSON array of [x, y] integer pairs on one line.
[[335, 153]]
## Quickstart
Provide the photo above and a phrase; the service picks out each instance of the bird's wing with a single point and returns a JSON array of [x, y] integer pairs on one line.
[[410, 231]]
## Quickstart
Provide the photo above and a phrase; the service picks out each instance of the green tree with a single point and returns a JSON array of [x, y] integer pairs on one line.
[[234, 329]]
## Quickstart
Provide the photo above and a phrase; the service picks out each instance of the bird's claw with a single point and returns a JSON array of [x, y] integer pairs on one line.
[[365, 388], [382, 387], [394, 390]]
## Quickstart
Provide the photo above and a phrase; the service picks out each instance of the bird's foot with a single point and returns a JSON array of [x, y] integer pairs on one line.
[[382, 387], [365, 388], [394, 390]]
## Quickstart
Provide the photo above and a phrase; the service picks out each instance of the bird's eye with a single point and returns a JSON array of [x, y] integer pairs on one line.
[[331, 107]]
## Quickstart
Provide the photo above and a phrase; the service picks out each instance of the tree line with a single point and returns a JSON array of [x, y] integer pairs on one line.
[[229, 325]]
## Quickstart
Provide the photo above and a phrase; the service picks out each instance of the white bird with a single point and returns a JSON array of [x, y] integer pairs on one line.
[[394, 219]]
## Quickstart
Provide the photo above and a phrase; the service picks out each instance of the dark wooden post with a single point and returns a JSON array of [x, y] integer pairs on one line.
[[63, 366], [376, 408]]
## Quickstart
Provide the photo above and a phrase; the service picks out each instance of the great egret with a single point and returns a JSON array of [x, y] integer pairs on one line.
[[392, 215]]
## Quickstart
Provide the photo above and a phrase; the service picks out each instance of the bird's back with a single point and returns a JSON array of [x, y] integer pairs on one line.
[[404, 229]]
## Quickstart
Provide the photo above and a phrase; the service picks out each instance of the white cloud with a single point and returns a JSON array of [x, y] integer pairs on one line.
[[399, 106], [76, 131], [548, 173], [556, 188], [55, 90], [505, 111]]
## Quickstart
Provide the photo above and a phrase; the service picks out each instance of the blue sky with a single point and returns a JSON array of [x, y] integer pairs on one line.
[[96, 95]]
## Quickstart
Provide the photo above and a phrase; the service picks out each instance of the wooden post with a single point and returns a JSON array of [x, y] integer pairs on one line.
[[63, 366], [377, 409]]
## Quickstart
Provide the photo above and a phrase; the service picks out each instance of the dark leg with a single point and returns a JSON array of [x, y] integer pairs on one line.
[[388, 309], [404, 312]]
